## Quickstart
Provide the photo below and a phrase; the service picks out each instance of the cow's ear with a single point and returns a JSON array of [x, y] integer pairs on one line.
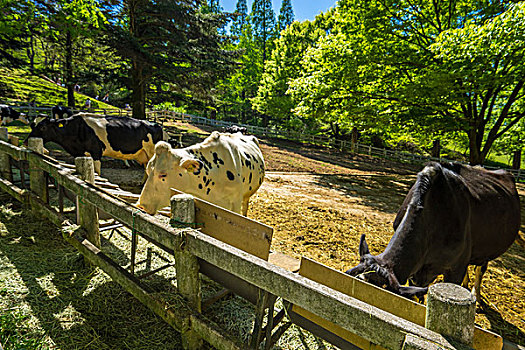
[[356, 270], [363, 247], [192, 165]]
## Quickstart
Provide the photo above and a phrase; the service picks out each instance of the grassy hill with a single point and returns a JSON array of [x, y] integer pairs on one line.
[[18, 87]]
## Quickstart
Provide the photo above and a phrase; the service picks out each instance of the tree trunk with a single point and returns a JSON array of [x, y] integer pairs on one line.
[[243, 111], [31, 52], [139, 91], [475, 155], [436, 148], [516, 159], [69, 71]]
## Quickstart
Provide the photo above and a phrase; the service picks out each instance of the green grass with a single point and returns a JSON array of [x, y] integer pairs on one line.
[[14, 334], [20, 87]]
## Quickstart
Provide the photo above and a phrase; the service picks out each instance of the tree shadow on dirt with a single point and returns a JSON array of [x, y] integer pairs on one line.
[[381, 192]]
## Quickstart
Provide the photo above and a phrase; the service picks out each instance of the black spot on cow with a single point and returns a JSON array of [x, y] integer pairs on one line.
[[213, 183], [208, 182], [180, 174], [243, 179], [250, 178], [208, 191], [204, 179], [250, 188], [248, 164], [230, 175], [127, 134], [217, 160], [200, 186]]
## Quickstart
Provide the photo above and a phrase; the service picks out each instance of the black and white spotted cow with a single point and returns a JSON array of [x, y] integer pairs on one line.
[[10, 115], [87, 134], [59, 112], [225, 169]]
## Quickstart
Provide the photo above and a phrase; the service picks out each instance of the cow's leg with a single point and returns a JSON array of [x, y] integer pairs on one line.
[[245, 202], [456, 275], [480, 271], [98, 166]]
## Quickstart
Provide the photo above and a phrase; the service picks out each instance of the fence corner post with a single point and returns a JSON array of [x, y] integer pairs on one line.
[[450, 311], [37, 178], [87, 213], [5, 164], [187, 267]]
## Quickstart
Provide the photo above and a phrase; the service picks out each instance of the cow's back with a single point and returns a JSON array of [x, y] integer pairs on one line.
[[233, 161], [495, 212]]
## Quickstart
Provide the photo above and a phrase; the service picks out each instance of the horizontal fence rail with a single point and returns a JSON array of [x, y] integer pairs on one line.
[[345, 311]]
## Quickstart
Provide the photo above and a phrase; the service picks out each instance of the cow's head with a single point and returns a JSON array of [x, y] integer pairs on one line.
[[373, 270], [45, 128], [165, 170]]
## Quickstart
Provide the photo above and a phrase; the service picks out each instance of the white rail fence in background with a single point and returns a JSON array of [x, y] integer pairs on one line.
[[358, 148], [405, 157]]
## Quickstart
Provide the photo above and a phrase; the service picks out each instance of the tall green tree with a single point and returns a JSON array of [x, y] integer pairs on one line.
[[243, 83], [240, 19], [264, 25], [174, 41], [419, 65], [283, 66], [70, 21], [286, 15]]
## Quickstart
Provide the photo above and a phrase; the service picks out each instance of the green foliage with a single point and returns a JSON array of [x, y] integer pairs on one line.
[[264, 26], [286, 15], [240, 19], [419, 67], [283, 66]]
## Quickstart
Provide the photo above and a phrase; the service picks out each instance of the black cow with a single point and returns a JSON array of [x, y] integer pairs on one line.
[[232, 129], [453, 216], [9, 115], [117, 137], [58, 112]]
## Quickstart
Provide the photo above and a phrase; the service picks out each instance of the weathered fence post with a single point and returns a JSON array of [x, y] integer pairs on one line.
[[187, 266], [450, 311], [5, 165], [87, 213], [37, 177]]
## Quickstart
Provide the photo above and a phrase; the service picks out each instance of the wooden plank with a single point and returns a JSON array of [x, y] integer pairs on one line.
[[234, 229], [105, 184], [284, 261], [377, 297]]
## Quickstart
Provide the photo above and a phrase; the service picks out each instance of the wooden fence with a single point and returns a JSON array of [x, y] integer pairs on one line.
[[383, 153]]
